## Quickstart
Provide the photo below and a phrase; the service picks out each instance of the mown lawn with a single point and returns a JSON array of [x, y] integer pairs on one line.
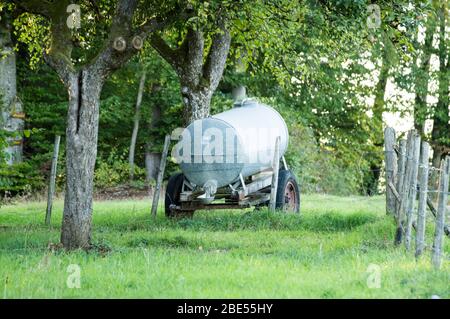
[[329, 251]]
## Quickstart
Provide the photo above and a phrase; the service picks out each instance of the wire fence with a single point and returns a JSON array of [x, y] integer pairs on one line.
[[409, 179]]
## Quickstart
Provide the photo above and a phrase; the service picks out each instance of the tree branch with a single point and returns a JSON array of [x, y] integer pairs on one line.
[[41, 7], [217, 57], [175, 57], [192, 56], [109, 59], [172, 56], [59, 55], [62, 67], [122, 20], [94, 5]]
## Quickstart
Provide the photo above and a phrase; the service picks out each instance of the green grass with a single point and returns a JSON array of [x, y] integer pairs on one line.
[[323, 253]]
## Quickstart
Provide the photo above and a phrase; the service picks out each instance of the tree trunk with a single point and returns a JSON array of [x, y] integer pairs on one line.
[[199, 77], [11, 109], [81, 152], [421, 78], [196, 103], [137, 117], [440, 134], [378, 110], [152, 158], [84, 88]]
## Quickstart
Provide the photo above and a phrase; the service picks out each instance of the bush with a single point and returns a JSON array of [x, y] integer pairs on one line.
[[19, 179], [317, 168], [115, 171]]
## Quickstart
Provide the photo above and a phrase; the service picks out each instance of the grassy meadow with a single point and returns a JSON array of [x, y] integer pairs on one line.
[[336, 248]]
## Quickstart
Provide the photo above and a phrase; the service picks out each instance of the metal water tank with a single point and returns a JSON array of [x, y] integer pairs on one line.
[[238, 141]]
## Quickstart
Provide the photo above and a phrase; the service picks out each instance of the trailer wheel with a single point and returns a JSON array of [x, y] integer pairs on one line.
[[288, 192], [173, 190]]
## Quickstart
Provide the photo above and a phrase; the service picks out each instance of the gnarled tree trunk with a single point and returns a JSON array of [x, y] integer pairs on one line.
[[10, 106], [81, 151], [196, 102], [84, 87], [199, 77]]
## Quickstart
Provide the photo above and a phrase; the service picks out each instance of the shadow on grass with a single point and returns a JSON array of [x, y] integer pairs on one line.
[[169, 242], [256, 220], [32, 236]]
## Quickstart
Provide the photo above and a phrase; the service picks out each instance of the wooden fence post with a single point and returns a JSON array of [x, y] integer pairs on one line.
[[412, 190], [390, 163], [423, 193], [405, 187], [275, 168], [52, 181], [440, 216], [162, 167], [400, 173], [434, 212]]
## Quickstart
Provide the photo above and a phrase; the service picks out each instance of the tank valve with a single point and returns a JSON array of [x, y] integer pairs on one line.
[[210, 188]]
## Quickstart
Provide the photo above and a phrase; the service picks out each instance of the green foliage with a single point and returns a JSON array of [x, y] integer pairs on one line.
[[320, 167], [3, 135], [32, 31], [307, 59], [45, 103], [115, 171], [318, 170], [19, 179], [3, 145]]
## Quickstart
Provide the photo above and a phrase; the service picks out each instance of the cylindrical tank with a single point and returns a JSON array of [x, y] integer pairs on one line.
[[238, 141]]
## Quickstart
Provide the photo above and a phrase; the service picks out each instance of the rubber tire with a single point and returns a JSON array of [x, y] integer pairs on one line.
[[173, 190], [284, 177]]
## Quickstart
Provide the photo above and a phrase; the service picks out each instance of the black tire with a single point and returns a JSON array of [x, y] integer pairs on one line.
[[287, 184], [173, 190]]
